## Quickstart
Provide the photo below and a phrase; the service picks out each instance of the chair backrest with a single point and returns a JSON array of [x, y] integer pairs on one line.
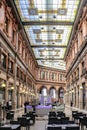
[[9, 116], [72, 128], [52, 120], [5, 128], [71, 122], [74, 113], [84, 121], [64, 120], [61, 114], [23, 121], [14, 122], [52, 114], [54, 128]]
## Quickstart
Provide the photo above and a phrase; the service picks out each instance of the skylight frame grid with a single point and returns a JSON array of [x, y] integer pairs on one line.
[[58, 17], [37, 53], [43, 35]]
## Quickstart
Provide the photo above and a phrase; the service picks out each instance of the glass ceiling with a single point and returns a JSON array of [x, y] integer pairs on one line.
[[48, 24]]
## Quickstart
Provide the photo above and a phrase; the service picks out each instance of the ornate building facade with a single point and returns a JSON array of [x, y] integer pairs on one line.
[[20, 76], [76, 63]]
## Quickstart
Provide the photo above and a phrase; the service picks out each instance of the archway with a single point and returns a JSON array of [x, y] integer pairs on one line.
[[52, 93], [43, 95], [61, 94]]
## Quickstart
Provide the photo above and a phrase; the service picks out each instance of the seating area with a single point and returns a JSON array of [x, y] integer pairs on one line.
[[55, 120], [59, 121], [24, 121]]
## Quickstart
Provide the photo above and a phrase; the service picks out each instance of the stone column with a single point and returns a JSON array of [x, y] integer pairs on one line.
[[76, 96], [68, 98], [80, 97], [18, 96], [86, 92], [25, 95], [14, 102], [6, 90], [22, 99]]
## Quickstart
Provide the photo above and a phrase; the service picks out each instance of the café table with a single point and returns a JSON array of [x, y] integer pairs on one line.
[[63, 126], [12, 126]]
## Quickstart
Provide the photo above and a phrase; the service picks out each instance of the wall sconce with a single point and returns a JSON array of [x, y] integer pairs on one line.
[[12, 87], [81, 87], [23, 91], [72, 90], [3, 85]]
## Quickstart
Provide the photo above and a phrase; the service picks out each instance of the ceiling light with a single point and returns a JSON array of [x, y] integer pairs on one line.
[[37, 31], [42, 28], [54, 28], [62, 11], [33, 11], [54, 16], [40, 17]]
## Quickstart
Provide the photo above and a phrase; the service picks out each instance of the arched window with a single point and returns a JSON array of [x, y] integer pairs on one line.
[[44, 92], [61, 93], [53, 92]]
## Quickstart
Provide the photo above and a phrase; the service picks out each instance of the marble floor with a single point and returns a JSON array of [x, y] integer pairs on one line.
[[39, 125], [41, 122]]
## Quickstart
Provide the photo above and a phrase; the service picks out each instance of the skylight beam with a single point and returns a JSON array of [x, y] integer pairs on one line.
[[47, 23]]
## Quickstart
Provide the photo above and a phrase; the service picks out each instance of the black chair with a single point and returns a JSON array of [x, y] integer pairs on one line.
[[72, 128], [5, 128], [10, 116], [61, 114], [23, 122], [32, 117], [54, 120], [83, 122], [15, 122], [54, 128], [71, 122], [64, 120], [77, 116], [74, 113], [52, 114]]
